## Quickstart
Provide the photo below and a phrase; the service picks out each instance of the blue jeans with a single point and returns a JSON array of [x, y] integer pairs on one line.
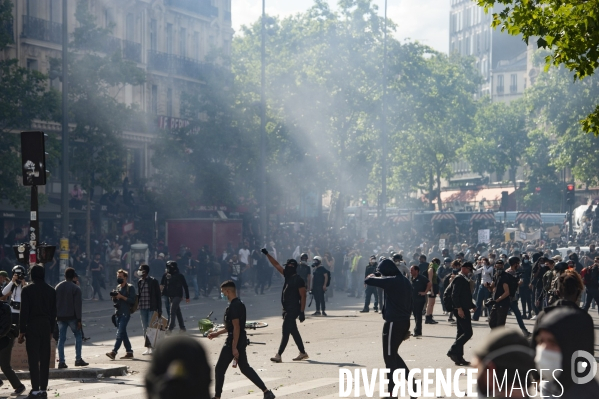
[[483, 295], [167, 306], [194, 280], [62, 337], [516, 311], [146, 315], [121, 333]]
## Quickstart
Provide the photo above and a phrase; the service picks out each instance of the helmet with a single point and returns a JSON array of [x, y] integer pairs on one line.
[[304, 256], [291, 262], [513, 260], [447, 260], [19, 270], [172, 265], [397, 257], [318, 258]]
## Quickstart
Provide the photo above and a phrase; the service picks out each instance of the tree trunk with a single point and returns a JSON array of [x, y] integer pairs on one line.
[[430, 191], [339, 210], [88, 222], [439, 190]]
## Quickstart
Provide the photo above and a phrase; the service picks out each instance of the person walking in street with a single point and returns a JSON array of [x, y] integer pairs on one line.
[[303, 270], [320, 281], [37, 322], [369, 290], [97, 278], [590, 277], [500, 287], [69, 306], [176, 286], [486, 272], [293, 299], [123, 297], [149, 300], [396, 313], [12, 293], [420, 286], [462, 304], [235, 346], [434, 291]]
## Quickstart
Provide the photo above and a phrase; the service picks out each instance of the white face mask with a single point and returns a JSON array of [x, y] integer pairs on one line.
[[140, 273], [548, 360]]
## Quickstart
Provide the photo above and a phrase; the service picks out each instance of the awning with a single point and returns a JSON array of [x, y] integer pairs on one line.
[[485, 194], [443, 216], [525, 216], [400, 218], [482, 216]]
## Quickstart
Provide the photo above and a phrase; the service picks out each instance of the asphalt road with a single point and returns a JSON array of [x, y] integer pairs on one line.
[[344, 339]]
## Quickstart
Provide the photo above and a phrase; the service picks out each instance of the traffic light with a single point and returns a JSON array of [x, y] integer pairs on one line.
[[33, 158], [504, 200], [570, 194]]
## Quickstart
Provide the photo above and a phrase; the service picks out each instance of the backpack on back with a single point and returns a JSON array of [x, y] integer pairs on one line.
[[132, 308], [447, 301]]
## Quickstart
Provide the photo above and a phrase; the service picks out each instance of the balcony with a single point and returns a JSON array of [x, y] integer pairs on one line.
[[132, 51], [513, 89], [499, 89], [158, 61], [40, 29], [177, 65]]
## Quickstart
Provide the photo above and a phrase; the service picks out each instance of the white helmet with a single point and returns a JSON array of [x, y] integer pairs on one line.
[[318, 259]]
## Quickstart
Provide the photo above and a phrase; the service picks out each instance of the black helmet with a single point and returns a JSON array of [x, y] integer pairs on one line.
[[513, 260], [19, 270], [397, 257], [560, 267], [304, 256], [172, 266], [291, 262]]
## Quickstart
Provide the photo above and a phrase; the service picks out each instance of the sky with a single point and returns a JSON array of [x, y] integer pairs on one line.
[[426, 21]]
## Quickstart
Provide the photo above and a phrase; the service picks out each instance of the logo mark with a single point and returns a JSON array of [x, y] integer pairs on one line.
[[580, 367]]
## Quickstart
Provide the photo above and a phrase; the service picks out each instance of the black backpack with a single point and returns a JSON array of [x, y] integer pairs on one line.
[[447, 301], [328, 273]]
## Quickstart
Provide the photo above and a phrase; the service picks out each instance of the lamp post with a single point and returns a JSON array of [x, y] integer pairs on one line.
[[384, 126], [64, 186], [263, 208]]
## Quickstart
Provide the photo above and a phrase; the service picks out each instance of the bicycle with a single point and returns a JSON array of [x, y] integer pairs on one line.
[[87, 290], [206, 325]]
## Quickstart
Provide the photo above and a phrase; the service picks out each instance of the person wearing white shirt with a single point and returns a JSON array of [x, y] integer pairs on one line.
[[486, 270]]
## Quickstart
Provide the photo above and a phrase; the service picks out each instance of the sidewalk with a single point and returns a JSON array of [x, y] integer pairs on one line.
[[99, 371]]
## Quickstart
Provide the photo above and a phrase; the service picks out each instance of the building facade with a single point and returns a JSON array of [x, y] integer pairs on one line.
[[168, 39]]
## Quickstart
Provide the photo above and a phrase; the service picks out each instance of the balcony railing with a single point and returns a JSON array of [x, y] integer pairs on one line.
[[158, 61], [132, 51], [203, 7], [499, 89], [513, 88], [40, 29], [177, 65]]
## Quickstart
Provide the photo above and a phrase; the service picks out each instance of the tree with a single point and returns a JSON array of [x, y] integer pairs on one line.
[[23, 98], [568, 28]]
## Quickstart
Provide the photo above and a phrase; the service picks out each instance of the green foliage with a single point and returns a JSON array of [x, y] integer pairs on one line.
[[568, 28]]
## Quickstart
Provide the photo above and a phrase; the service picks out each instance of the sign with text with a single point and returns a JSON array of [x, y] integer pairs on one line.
[[484, 236]]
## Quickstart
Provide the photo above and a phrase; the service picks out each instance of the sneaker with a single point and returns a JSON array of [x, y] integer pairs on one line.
[[38, 394], [323, 313], [316, 313], [168, 332], [444, 313], [534, 317], [417, 334], [526, 333], [276, 358], [364, 311], [62, 366], [376, 310], [111, 355], [148, 351], [20, 390], [182, 331], [129, 355], [269, 395], [301, 356], [81, 363]]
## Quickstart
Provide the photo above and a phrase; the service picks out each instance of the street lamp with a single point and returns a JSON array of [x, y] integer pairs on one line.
[[263, 209], [384, 126], [64, 186]]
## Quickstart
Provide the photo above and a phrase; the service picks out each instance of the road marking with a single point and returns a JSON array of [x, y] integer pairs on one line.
[[295, 388], [242, 383], [91, 386]]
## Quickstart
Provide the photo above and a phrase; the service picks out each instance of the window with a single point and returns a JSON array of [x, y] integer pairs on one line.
[[500, 84], [154, 99], [183, 42], [108, 19], [32, 8], [196, 45], [169, 38], [153, 35], [130, 28], [32, 64], [55, 11], [513, 83], [169, 102]]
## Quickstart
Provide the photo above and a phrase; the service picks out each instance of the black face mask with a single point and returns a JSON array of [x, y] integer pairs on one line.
[[455, 271], [289, 271], [120, 280]]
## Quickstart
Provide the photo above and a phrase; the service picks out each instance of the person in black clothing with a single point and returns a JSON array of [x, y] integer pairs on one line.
[[397, 311], [37, 322], [303, 270], [261, 271], [293, 299], [370, 290], [97, 278], [420, 286], [524, 291], [423, 265], [501, 294], [461, 299], [320, 279], [236, 343], [175, 286]]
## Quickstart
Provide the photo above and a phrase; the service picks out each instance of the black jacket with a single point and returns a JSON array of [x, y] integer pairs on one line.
[[38, 307], [461, 296], [175, 286], [155, 297], [398, 292]]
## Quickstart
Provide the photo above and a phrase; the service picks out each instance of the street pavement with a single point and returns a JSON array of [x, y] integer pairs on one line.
[[344, 339]]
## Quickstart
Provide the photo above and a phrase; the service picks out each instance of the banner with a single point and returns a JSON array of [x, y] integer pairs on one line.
[[484, 236]]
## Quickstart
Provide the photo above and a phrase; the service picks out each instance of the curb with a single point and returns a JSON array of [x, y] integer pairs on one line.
[[79, 372]]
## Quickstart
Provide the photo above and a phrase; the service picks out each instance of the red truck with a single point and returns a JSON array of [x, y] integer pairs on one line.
[[195, 233]]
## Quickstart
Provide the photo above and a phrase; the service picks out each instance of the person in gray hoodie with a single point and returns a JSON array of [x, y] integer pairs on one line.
[[69, 304]]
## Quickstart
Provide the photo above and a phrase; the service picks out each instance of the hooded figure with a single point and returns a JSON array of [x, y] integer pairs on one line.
[[574, 257], [397, 310], [571, 330], [179, 369]]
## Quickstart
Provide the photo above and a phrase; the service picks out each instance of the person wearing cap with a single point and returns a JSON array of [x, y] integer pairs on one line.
[[320, 280], [504, 356], [420, 287], [397, 312], [293, 299], [370, 290], [401, 264], [560, 339], [179, 369], [461, 298]]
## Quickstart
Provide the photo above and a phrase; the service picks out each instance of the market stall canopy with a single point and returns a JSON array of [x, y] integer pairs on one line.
[[529, 216], [482, 216], [485, 194]]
